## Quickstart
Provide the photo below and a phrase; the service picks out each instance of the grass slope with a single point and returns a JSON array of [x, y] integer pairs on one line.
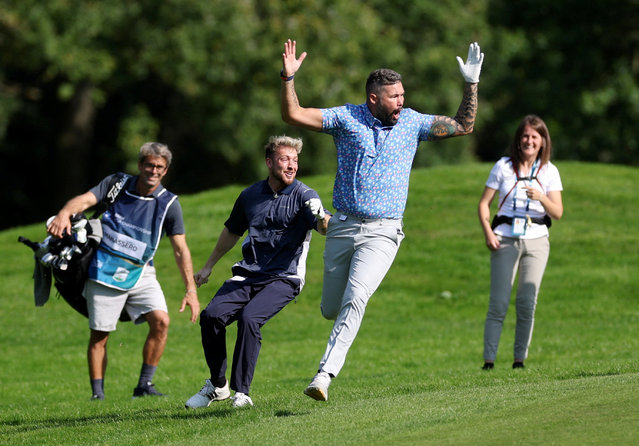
[[413, 374]]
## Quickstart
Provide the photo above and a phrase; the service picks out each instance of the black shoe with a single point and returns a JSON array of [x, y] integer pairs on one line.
[[96, 397], [488, 366], [146, 390], [518, 365]]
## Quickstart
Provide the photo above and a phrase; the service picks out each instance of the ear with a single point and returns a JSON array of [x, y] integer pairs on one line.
[[269, 162], [373, 98]]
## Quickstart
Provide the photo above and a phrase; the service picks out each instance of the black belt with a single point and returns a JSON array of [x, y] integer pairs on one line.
[[501, 219]]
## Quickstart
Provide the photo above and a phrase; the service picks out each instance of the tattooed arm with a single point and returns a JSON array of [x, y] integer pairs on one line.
[[463, 122]]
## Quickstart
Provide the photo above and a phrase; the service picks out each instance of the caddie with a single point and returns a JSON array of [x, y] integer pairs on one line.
[[122, 275]]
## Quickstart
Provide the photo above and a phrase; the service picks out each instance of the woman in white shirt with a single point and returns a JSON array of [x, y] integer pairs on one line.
[[529, 189]]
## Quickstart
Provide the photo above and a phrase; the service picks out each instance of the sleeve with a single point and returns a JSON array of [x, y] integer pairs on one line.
[[554, 180], [331, 119], [309, 218], [425, 124], [496, 177], [237, 223], [100, 190], [174, 221]]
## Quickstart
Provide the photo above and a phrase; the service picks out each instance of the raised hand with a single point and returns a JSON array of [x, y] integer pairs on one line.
[[290, 62], [471, 69]]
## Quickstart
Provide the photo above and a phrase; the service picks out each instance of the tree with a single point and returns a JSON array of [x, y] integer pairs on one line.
[[574, 63]]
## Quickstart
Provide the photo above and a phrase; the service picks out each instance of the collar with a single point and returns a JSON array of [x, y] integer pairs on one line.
[[286, 191], [131, 188]]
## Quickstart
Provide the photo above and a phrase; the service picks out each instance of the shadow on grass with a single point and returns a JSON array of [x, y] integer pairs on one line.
[[33, 425]]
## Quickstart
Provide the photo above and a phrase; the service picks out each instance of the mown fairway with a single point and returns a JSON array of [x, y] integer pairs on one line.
[[413, 375]]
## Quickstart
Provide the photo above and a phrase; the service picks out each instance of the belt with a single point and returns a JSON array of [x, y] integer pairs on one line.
[[343, 216], [501, 219]]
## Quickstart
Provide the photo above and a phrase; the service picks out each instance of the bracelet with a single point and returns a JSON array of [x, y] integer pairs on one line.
[[190, 291], [286, 78]]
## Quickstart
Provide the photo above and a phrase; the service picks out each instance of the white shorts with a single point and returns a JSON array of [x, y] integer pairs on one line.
[[105, 304]]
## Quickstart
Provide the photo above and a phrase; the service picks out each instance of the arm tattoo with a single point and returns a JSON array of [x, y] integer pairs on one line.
[[442, 128], [463, 122]]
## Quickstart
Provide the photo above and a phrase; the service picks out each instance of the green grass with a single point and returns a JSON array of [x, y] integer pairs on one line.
[[413, 374]]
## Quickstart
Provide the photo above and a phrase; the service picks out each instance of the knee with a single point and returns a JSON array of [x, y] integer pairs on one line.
[[98, 340], [160, 322], [210, 318], [329, 312], [351, 303], [248, 322], [497, 312], [526, 312]]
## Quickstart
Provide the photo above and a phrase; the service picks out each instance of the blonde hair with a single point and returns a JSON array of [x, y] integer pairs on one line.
[[275, 142]]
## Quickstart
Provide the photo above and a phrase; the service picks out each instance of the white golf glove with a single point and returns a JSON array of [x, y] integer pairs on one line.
[[470, 70], [315, 205]]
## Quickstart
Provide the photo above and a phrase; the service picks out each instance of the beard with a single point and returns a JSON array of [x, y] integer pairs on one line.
[[282, 179], [387, 118]]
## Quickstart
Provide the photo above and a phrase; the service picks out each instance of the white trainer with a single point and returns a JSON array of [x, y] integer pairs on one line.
[[207, 395], [318, 388], [241, 399]]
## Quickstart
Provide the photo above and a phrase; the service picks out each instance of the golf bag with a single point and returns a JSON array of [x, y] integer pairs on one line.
[[67, 259]]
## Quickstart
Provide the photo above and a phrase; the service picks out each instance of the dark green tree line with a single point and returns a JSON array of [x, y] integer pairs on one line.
[[84, 83]]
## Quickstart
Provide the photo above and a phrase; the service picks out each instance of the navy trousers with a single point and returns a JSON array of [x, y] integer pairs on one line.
[[251, 303]]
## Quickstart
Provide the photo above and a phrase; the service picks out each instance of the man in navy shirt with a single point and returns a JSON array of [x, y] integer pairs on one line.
[[279, 214]]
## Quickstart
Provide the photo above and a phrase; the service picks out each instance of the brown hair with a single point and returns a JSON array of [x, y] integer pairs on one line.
[[539, 125]]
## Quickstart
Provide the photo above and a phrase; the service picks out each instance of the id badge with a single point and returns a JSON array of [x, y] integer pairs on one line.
[[519, 226]]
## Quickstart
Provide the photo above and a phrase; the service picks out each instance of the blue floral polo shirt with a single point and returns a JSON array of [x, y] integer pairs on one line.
[[373, 161]]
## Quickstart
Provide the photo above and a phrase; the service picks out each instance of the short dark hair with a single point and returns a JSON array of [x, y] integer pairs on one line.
[[380, 77]]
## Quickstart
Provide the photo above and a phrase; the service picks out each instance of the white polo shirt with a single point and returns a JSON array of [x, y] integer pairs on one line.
[[513, 200]]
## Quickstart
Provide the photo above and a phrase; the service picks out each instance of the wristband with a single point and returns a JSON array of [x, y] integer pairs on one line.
[[190, 291], [285, 78]]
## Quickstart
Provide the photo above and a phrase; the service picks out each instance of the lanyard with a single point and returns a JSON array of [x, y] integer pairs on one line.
[[529, 179]]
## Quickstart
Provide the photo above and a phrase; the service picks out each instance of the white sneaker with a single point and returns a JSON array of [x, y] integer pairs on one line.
[[207, 395], [318, 388], [241, 399]]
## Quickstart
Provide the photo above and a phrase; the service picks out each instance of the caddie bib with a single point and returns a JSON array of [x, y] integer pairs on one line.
[[131, 233]]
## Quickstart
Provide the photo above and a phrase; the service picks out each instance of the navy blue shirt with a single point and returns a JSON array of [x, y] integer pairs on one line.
[[279, 230], [173, 223]]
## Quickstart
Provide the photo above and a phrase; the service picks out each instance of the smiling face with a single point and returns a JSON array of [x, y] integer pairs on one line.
[[530, 144], [152, 170], [387, 103], [282, 168]]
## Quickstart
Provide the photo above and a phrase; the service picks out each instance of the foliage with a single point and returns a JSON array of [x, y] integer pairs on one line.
[[82, 83], [577, 65]]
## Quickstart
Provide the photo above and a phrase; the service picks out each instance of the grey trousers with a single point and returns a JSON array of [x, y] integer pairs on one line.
[[529, 259], [357, 256]]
